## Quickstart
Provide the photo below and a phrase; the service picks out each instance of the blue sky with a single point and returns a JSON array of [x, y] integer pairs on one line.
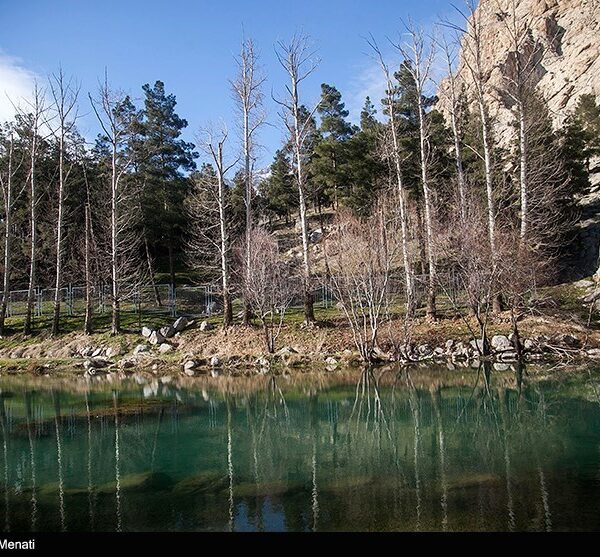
[[190, 46]]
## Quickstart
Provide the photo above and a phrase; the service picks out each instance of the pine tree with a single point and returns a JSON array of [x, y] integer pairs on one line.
[[365, 172], [331, 155], [163, 161], [237, 205], [279, 194], [587, 116]]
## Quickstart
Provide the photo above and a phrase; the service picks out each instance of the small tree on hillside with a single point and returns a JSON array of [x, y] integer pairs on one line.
[[268, 285], [362, 254]]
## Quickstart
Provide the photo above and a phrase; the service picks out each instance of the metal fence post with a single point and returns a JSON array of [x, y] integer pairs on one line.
[[173, 291]]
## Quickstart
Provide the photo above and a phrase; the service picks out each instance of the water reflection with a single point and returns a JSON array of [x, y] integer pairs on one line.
[[386, 449]]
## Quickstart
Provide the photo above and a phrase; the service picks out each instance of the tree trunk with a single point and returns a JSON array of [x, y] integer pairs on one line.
[[59, 238], [248, 203], [497, 301], [458, 161], [155, 291], [309, 313], [87, 324], [408, 275], [460, 173], [431, 314], [8, 202], [115, 328], [171, 263], [33, 247], [227, 309], [6, 282], [227, 305], [523, 174]]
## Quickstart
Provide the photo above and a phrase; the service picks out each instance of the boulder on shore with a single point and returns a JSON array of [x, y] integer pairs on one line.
[[165, 347], [139, 349], [180, 324], [167, 331], [156, 338], [501, 343], [205, 326]]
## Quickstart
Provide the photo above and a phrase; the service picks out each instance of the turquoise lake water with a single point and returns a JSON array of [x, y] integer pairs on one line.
[[393, 450]]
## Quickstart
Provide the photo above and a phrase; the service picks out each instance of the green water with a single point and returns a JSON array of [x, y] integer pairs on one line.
[[421, 449]]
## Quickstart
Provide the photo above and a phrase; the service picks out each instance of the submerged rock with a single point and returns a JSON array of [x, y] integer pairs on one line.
[[266, 489], [209, 482], [145, 481]]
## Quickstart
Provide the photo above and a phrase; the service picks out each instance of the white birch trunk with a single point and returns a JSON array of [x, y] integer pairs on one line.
[[227, 310], [523, 174], [114, 260], [33, 231], [8, 209], [423, 139], [59, 234]]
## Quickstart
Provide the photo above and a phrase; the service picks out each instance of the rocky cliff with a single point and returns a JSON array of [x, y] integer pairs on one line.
[[568, 35]]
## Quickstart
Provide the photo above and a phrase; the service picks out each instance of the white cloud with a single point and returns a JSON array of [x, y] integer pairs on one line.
[[16, 85], [369, 82]]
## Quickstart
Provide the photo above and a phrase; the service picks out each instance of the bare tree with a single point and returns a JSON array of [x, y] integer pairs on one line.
[[212, 193], [64, 93], [8, 178], [476, 273], [391, 151], [518, 91], [473, 59], [453, 93], [114, 111], [248, 94], [299, 62], [268, 285], [421, 57], [90, 252], [362, 255], [36, 116]]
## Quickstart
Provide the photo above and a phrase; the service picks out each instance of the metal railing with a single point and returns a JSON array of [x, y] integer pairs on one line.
[[203, 300]]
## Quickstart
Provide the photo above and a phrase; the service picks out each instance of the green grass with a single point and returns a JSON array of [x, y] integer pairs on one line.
[[130, 322]]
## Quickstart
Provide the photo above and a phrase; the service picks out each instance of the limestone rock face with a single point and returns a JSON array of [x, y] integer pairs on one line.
[[565, 34], [569, 34]]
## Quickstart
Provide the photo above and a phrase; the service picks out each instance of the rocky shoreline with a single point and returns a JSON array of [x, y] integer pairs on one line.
[[161, 351]]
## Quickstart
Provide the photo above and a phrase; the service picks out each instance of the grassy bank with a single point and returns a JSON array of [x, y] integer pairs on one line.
[[559, 311]]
